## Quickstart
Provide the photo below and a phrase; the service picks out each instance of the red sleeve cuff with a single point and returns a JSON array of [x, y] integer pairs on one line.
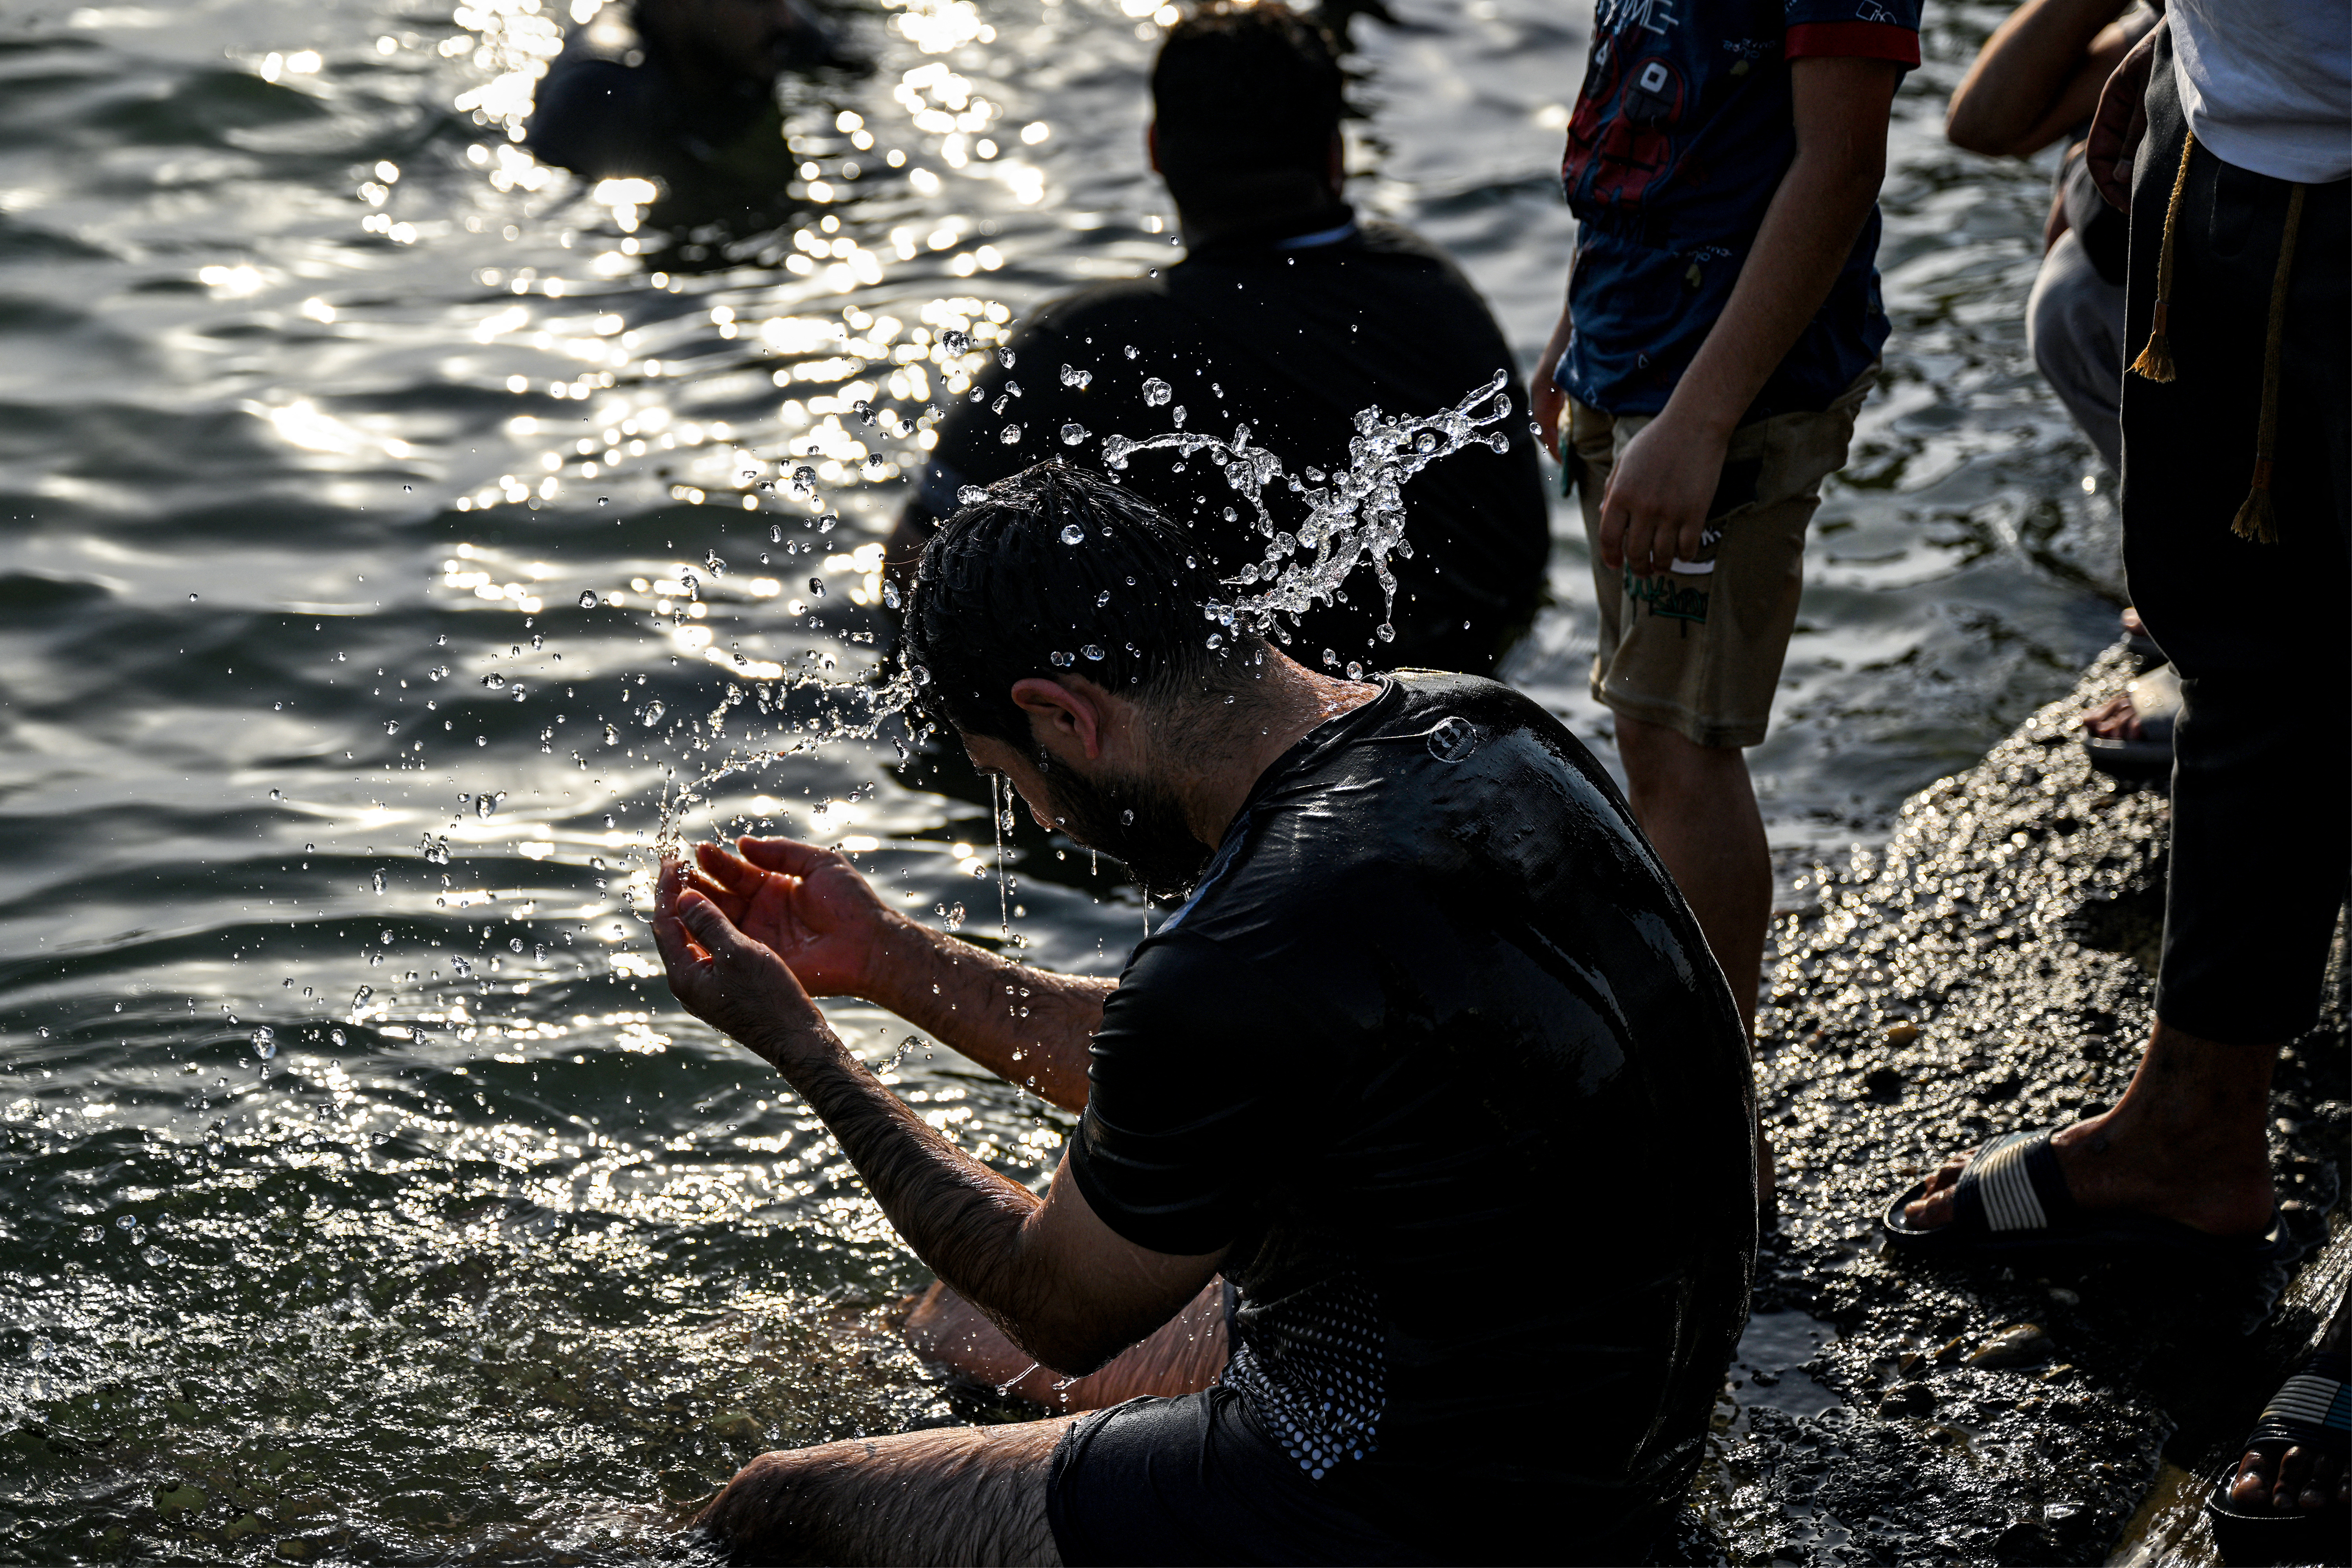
[[1852, 41]]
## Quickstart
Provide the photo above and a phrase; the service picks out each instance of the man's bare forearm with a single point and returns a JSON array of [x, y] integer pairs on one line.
[[1806, 234], [1026, 1026], [962, 1219]]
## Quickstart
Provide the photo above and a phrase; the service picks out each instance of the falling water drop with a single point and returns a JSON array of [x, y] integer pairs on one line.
[[378, 880], [588, 600], [1157, 392], [1073, 535]]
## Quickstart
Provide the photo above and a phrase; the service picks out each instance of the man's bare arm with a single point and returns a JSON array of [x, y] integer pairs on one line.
[[1657, 498], [2037, 76], [821, 918], [1029, 1026], [1048, 1271]]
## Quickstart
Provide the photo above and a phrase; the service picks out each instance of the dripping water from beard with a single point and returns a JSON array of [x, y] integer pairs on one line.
[[1135, 820]]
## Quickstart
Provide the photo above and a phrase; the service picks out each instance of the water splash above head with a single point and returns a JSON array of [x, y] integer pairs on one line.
[[1353, 516]]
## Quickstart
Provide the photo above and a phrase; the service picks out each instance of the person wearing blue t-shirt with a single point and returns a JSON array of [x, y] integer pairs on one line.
[[1722, 326]]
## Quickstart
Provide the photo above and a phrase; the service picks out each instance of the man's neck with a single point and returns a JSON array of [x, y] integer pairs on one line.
[[1212, 780]]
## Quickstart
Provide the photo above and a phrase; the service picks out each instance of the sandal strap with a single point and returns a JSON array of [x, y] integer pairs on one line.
[[2014, 1184], [2313, 1406]]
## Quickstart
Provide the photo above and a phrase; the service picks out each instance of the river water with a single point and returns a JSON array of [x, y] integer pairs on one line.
[[365, 1195]]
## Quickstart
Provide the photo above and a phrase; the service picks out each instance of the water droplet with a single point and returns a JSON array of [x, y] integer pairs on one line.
[[717, 564], [1073, 535], [652, 714], [1157, 392], [1216, 640], [192, 598], [588, 600], [392, 726], [955, 342], [336, 1036], [265, 1043], [484, 805], [612, 738], [1126, 817], [378, 880], [1073, 433], [1092, 650], [1385, 632], [495, 682], [1010, 435], [889, 593], [864, 410], [1062, 660], [275, 796], [1004, 357], [817, 586], [1073, 376], [1355, 670], [601, 500]]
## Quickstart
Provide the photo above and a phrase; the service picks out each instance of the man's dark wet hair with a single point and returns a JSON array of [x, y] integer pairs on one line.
[[1247, 98], [1060, 573]]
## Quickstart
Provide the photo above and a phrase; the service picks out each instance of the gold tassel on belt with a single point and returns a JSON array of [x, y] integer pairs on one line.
[[2257, 520], [2155, 360]]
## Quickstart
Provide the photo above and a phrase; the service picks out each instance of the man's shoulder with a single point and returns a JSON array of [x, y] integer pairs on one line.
[[1117, 302]]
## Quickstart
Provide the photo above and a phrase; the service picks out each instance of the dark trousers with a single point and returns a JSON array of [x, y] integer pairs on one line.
[[2261, 634]]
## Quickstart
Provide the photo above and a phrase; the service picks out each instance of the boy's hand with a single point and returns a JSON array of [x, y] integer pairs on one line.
[[1655, 510]]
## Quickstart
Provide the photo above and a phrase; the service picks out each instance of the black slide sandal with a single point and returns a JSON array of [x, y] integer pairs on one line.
[[2312, 1410], [2011, 1200]]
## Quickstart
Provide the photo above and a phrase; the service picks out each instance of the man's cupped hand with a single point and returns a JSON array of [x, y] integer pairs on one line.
[[749, 937]]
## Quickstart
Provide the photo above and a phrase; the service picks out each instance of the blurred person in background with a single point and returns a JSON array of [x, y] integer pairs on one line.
[[1288, 313], [2036, 82], [683, 93]]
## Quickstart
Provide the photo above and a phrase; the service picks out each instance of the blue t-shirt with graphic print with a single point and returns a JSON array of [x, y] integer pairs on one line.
[[1681, 135]]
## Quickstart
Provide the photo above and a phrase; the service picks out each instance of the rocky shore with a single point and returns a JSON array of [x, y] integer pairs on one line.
[[1992, 969]]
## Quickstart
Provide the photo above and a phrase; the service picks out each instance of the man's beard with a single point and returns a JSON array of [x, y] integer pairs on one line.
[[1137, 822]]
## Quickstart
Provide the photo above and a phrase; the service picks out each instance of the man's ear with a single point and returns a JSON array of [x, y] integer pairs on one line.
[[1063, 720]]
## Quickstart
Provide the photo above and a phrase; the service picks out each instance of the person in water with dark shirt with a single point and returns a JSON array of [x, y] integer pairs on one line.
[[682, 92], [1432, 1067], [1287, 314]]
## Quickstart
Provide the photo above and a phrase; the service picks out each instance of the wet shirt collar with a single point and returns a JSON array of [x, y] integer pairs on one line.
[[1300, 231], [1309, 748]]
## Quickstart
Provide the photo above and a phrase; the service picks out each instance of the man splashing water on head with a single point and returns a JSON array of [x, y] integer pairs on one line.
[[1433, 1070]]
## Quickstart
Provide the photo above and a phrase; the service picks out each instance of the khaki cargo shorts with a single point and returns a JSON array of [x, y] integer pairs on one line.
[[1699, 651]]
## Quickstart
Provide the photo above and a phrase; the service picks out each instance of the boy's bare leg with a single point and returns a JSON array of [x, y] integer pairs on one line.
[[971, 1495], [1698, 807], [1184, 1356]]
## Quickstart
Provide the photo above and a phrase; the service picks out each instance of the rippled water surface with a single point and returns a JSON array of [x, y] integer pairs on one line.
[[366, 1197]]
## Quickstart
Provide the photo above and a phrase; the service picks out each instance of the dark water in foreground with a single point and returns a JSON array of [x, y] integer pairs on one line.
[[320, 408]]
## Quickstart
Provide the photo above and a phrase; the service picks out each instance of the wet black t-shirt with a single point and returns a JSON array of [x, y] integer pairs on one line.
[[1441, 1056], [1292, 334]]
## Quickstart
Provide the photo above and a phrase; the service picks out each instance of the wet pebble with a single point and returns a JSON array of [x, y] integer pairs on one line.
[[2027, 1344]]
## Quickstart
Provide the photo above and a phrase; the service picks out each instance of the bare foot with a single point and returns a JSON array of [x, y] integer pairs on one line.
[[2299, 1480], [2185, 1143]]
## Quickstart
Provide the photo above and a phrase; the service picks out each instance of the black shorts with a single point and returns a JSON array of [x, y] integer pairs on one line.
[[1193, 1480]]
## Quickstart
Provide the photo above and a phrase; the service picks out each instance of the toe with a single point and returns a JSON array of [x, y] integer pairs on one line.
[[2324, 1485], [2251, 1489], [2293, 1472]]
